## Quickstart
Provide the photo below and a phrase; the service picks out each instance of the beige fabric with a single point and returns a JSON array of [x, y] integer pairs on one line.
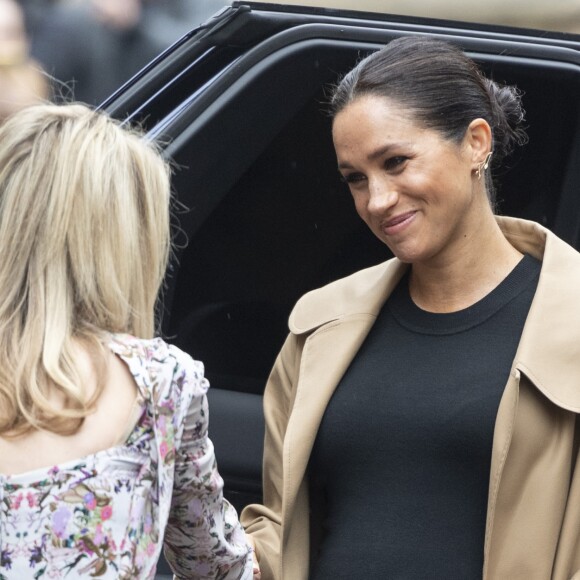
[[533, 521]]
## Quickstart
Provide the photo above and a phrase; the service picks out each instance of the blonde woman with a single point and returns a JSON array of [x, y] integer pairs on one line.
[[104, 454]]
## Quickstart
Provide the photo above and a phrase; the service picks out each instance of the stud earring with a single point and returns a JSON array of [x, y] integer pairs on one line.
[[483, 165]]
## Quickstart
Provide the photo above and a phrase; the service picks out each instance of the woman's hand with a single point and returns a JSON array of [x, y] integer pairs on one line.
[[256, 569]]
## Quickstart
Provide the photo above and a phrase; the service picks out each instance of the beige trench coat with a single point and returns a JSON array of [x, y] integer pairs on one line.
[[533, 516]]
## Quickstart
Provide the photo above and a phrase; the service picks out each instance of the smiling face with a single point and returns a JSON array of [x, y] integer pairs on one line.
[[414, 189]]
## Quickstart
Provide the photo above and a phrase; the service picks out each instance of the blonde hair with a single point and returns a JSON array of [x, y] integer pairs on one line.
[[84, 232]]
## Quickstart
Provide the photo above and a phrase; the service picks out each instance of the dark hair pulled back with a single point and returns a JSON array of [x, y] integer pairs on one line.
[[442, 87]]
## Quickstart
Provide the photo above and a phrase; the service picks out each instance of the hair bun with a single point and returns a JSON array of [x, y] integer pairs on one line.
[[508, 118]]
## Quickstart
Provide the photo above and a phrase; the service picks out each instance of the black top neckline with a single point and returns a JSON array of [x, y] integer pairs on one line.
[[414, 318]]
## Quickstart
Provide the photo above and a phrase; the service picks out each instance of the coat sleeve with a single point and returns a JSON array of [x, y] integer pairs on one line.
[[263, 522]]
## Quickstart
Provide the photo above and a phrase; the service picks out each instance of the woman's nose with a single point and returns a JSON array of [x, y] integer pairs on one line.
[[382, 196]]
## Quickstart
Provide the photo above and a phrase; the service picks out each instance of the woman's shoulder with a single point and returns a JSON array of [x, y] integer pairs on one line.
[[154, 349], [159, 367], [363, 292]]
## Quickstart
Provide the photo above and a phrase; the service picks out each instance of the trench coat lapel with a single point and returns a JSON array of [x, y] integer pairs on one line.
[[341, 324], [549, 349], [327, 355], [547, 361]]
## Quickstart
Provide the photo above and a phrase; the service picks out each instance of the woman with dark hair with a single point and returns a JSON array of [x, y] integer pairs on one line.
[[421, 416]]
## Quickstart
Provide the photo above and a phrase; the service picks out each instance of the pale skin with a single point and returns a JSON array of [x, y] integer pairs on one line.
[[419, 193], [101, 429]]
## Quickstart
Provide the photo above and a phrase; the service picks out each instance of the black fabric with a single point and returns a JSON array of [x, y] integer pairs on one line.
[[402, 457]]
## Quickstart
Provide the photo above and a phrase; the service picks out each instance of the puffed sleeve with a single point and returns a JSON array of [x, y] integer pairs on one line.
[[204, 538]]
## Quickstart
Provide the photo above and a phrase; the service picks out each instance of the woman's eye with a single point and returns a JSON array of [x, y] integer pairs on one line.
[[353, 178], [394, 163]]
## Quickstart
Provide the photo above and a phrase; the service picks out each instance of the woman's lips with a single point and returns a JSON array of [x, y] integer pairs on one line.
[[398, 223]]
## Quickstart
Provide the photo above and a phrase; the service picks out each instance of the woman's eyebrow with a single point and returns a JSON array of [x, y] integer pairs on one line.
[[379, 152]]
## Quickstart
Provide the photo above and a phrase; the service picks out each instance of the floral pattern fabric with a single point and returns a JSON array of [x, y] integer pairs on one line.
[[109, 514]]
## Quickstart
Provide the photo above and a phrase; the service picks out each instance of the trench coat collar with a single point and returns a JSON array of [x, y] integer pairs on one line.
[[549, 350], [364, 292]]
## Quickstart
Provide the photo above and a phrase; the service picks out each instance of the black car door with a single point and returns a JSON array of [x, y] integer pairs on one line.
[[261, 216]]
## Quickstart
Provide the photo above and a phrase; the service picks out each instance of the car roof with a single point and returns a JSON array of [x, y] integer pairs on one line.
[[563, 15]]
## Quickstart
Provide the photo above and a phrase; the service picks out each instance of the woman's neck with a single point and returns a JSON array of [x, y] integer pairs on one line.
[[462, 277]]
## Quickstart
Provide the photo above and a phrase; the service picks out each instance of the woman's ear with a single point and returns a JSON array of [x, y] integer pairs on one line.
[[479, 139]]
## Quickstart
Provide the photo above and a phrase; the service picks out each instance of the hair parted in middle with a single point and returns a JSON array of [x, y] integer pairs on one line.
[[440, 86], [85, 237]]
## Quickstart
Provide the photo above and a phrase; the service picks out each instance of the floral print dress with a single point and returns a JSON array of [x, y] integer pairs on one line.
[[109, 514]]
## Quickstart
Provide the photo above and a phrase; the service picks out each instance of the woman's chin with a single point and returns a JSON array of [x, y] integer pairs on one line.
[[407, 254]]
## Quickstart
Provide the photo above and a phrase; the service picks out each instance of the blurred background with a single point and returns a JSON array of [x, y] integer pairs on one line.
[[88, 48]]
